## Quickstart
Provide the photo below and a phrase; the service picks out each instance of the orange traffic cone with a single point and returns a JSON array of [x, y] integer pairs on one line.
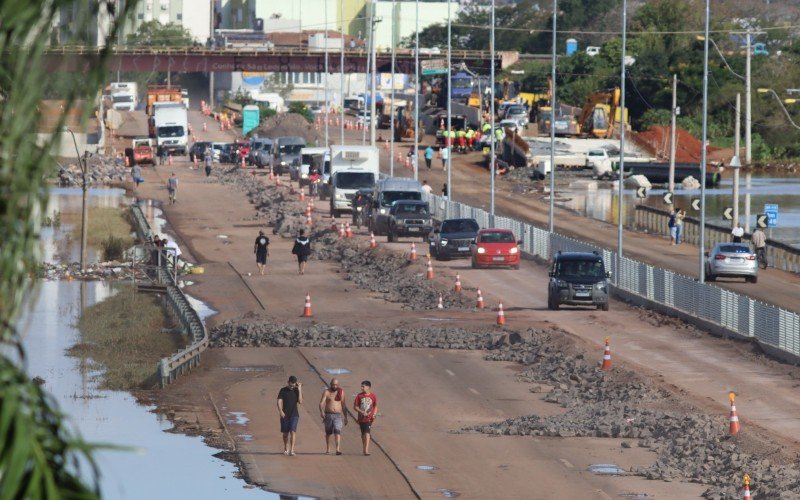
[[243, 165], [205, 127], [194, 138], [170, 160], [277, 181], [348, 233], [429, 274], [302, 195], [746, 495], [308, 209], [501, 315], [372, 242], [307, 308], [606, 357], [440, 305], [457, 287], [310, 206], [341, 230], [479, 304], [195, 161], [413, 254], [734, 427], [270, 175], [308, 220]]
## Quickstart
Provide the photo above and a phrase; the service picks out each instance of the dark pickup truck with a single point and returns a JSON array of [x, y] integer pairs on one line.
[[410, 218]]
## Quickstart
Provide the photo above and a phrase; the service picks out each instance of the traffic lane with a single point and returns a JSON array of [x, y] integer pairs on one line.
[[702, 365], [426, 394]]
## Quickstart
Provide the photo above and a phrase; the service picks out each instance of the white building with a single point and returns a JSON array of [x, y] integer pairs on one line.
[[403, 16], [194, 15]]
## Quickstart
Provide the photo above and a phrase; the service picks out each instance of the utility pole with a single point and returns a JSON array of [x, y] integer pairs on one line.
[[703, 153], [449, 139], [748, 119], [491, 110], [620, 193], [552, 213], [391, 106], [373, 120], [341, 72], [735, 162], [325, 80], [673, 134], [417, 89]]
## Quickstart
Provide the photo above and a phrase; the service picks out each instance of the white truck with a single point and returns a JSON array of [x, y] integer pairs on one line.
[[170, 123], [352, 168], [125, 95]]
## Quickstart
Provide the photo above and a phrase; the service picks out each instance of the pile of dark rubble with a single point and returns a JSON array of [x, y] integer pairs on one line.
[[121, 271], [101, 170], [689, 445]]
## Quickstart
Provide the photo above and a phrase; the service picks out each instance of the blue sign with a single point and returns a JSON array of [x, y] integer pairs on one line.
[[771, 211]]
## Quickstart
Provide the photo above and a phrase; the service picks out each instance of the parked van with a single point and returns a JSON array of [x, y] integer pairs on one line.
[[312, 157], [592, 51], [260, 147], [286, 153], [388, 191], [352, 168]]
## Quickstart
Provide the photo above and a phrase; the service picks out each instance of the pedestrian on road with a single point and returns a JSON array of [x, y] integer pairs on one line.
[[426, 187], [172, 188], [208, 157], [673, 228], [679, 216], [136, 173], [428, 156], [289, 398], [261, 249], [366, 407], [163, 156], [334, 418], [445, 155], [445, 191], [302, 249], [737, 233]]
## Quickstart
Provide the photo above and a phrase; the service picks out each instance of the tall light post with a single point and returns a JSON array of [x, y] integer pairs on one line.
[[449, 139], [551, 216], [372, 119], [341, 72], [325, 79], [703, 153], [620, 185], [84, 202], [491, 111], [418, 89], [391, 106], [735, 163]]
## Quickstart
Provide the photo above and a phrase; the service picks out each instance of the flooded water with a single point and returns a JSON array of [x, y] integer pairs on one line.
[[161, 464], [758, 190]]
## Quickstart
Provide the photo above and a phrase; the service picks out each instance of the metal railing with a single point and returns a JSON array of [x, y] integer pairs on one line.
[[184, 360], [774, 328]]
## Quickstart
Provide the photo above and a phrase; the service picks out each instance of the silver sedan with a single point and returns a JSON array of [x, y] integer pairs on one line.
[[732, 260]]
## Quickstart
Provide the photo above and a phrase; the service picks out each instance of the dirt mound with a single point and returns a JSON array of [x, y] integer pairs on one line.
[[288, 124], [655, 141]]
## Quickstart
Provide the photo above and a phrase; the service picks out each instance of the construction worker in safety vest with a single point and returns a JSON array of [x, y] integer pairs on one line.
[[461, 136], [486, 128], [470, 135], [476, 139]]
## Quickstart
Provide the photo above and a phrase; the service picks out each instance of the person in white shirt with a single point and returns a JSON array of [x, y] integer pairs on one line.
[[737, 233], [426, 187]]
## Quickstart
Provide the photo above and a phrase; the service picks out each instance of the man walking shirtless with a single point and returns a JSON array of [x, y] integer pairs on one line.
[[333, 415]]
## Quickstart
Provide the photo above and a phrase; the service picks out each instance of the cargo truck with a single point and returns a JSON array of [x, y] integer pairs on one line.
[[170, 123], [352, 168], [162, 93]]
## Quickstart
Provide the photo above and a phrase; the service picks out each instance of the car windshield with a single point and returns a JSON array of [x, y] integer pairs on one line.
[[122, 98], [170, 131], [354, 180], [595, 152], [497, 237], [291, 149], [411, 208], [580, 268], [459, 226], [314, 160], [734, 249], [516, 110], [389, 197], [256, 146]]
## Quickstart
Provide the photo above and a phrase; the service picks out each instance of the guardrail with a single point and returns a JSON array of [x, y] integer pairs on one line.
[[779, 255], [184, 360], [724, 312]]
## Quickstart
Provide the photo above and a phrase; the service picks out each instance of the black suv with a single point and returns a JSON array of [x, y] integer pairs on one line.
[[409, 218], [579, 279], [453, 238]]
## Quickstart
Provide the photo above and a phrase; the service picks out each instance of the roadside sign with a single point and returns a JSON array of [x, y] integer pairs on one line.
[[771, 211], [668, 197], [641, 192], [728, 213], [696, 203], [762, 220], [433, 67]]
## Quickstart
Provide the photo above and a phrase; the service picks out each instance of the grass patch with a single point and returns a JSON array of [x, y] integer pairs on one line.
[[125, 334], [104, 222]]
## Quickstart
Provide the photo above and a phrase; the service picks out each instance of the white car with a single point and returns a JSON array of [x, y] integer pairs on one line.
[[592, 51]]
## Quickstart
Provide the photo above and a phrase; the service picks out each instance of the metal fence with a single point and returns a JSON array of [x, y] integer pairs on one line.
[[741, 315], [191, 324]]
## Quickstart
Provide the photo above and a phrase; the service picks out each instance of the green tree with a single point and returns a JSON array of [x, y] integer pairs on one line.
[[39, 456], [155, 34]]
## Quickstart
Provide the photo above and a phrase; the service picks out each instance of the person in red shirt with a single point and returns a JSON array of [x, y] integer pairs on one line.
[[366, 407]]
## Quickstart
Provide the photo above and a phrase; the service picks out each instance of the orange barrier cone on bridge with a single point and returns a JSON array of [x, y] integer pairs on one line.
[[746, 492], [311, 206], [341, 231], [440, 305], [348, 233], [480, 304], [457, 287], [429, 274], [501, 315], [307, 307], [308, 209], [302, 195], [413, 254], [606, 357], [372, 242], [734, 425]]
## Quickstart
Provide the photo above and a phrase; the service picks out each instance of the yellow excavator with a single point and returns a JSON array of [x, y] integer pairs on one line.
[[602, 115]]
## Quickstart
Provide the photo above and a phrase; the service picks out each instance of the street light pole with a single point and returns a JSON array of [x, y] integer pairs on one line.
[[372, 119], [620, 195], [551, 217], [703, 153], [84, 204], [449, 139], [325, 80], [391, 106], [735, 162], [673, 134], [491, 110], [417, 89], [341, 72], [748, 119]]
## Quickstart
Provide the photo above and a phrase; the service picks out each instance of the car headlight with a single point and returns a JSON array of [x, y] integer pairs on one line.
[[601, 286], [562, 284], [340, 196], [443, 241], [481, 250], [513, 251], [304, 176], [283, 163], [383, 211]]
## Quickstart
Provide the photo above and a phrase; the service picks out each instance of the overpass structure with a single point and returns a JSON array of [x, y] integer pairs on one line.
[[198, 59]]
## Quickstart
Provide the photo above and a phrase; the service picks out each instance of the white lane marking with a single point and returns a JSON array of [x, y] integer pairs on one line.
[[450, 373], [566, 463], [473, 391]]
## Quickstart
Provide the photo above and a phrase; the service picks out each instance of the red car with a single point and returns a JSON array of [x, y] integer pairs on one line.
[[495, 247]]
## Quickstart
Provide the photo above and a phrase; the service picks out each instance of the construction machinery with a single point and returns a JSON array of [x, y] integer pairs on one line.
[[601, 115], [387, 111], [404, 123]]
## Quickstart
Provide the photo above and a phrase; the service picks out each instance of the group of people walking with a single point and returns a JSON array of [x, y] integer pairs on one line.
[[332, 411], [301, 249]]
